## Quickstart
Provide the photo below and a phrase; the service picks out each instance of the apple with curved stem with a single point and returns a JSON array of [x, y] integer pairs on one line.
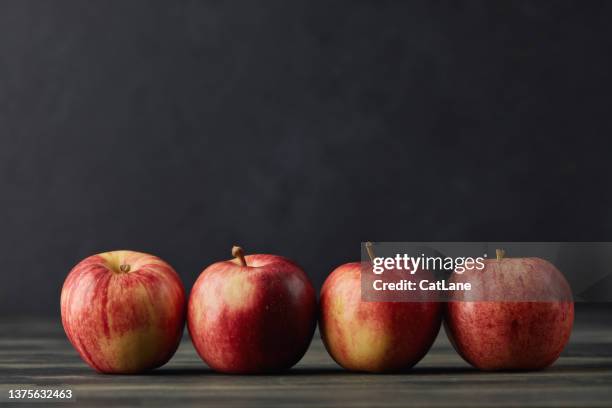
[[123, 311], [252, 314], [519, 315], [373, 336]]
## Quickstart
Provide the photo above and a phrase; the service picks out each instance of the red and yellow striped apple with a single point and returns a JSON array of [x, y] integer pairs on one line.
[[520, 315], [373, 336], [123, 311], [252, 314]]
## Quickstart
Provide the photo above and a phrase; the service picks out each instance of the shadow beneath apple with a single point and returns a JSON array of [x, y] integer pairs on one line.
[[418, 371], [314, 371], [196, 371], [193, 371], [439, 370], [306, 371], [181, 372]]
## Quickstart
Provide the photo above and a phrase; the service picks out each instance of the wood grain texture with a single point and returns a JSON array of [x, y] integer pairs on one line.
[[36, 352]]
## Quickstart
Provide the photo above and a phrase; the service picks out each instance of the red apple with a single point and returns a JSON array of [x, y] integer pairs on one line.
[[252, 314], [520, 316], [123, 311], [373, 336]]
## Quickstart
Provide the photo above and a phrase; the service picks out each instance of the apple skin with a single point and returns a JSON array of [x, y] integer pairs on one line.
[[252, 319], [373, 336], [511, 334], [123, 322]]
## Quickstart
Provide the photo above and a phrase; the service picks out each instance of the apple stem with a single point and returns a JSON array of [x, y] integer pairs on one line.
[[370, 250], [124, 268], [500, 253], [237, 252]]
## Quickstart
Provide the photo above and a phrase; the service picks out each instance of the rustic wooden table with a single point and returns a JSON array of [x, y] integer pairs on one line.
[[36, 353]]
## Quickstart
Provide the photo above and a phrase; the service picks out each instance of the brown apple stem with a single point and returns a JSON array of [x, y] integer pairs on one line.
[[500, 253], [370, 250], [237, 252], [124, 268]]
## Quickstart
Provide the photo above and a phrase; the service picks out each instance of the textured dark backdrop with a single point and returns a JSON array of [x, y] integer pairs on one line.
[[299, 128]]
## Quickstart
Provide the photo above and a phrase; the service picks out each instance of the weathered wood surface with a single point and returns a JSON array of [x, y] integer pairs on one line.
[[36, 352]]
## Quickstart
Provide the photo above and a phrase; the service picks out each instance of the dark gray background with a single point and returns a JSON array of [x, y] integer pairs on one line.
[[299, 128]]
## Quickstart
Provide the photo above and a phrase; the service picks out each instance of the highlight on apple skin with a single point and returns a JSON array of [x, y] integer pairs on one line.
[[515, 334], [252, 314], [123, 311], [373, 336]]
